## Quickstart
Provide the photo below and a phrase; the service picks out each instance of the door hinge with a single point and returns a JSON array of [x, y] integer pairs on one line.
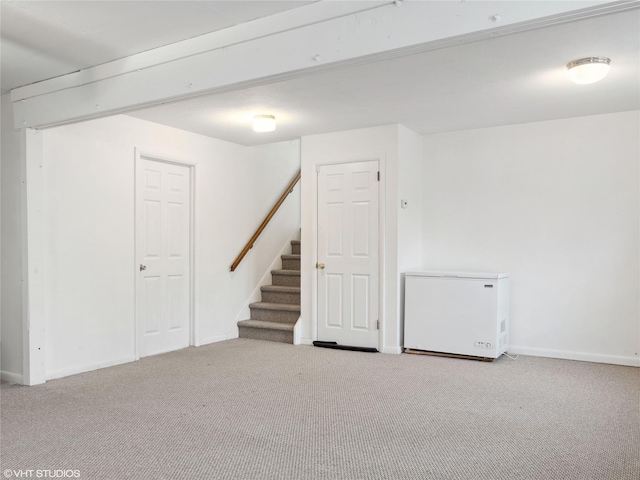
[[378, 325], [378, 176]]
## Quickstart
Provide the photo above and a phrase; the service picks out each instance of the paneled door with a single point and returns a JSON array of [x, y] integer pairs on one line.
[[347, 266], [163, 286]]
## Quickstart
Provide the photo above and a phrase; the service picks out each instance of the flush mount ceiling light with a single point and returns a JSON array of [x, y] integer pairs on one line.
[[264, 123], [588, 70]]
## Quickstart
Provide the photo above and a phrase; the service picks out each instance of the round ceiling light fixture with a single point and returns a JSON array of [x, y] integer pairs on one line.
[[264, 123], [588, 70]]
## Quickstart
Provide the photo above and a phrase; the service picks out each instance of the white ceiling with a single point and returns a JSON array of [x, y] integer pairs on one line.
[[46, 39], [509, 79]]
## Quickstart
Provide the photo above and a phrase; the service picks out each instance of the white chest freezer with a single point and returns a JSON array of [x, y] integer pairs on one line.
[[458, 313]]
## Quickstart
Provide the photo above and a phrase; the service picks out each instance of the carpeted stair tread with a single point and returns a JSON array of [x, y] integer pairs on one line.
[[266, 325], [291, 261], [286, 277], [286, 272], [295, 242], [275, 306], [273, 319], [280, 288]]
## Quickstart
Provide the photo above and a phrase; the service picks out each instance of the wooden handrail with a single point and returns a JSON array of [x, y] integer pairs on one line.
[[264, 223]]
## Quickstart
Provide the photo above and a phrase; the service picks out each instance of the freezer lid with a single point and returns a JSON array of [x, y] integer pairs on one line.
[[478, 275]]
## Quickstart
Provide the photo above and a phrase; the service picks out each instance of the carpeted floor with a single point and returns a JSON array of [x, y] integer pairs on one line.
[[248, 409]]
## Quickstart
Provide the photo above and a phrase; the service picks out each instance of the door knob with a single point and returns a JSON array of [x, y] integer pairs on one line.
[[320, 266], [143, 267]]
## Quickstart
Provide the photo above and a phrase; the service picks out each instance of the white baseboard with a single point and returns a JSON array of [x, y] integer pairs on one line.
[[306, 341], [215, 339], [392, 350], [65, 372], [233, 333], [11, 377], [580, 356]]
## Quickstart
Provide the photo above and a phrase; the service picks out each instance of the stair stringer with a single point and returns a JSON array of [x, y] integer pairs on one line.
[[297, 333], [256, 294]]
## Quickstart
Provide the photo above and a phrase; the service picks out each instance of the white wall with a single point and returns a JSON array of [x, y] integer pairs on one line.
[[12, 205], [409, 232], [89, 224], [555, 204], [399, 152]]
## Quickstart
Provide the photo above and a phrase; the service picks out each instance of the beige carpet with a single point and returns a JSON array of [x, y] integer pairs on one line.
[[248, 409]]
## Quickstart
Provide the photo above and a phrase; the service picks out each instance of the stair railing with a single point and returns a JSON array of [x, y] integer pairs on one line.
[[264, 223]]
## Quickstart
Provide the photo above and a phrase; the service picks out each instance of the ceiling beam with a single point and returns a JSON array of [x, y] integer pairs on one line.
[[303, 41]]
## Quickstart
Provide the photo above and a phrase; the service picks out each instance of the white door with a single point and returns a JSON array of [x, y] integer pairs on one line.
[[348, 253], [163, 201]]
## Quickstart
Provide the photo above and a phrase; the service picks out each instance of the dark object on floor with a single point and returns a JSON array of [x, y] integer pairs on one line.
[[452, 355], [318, 343]]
